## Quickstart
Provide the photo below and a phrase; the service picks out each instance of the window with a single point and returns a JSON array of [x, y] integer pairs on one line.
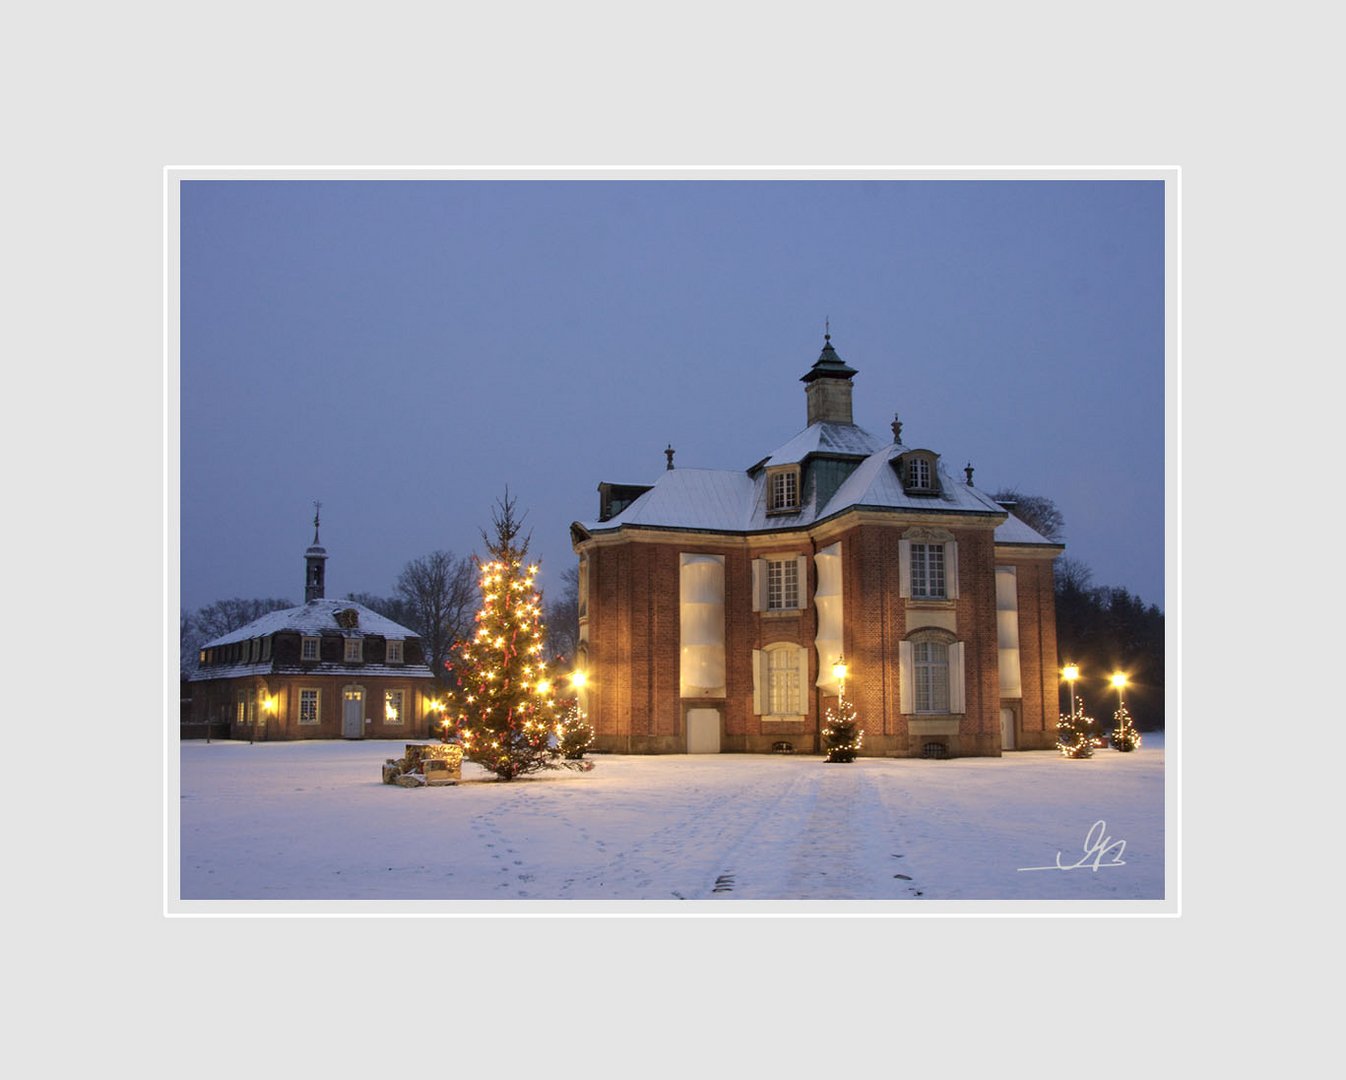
[[355, 650], [247, 707], [930, 663], [783, 681], [918, 471], [392, 706], [309, 649], [931, 675], [782, 588], [928, 565], [927, 570], [394, 652], [783, 490], [309, 701]]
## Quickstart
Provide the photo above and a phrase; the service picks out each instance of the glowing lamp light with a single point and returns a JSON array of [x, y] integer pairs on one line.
[[1070, 672], [839, 669], [578, 680], [1118, 680], [544, 686]]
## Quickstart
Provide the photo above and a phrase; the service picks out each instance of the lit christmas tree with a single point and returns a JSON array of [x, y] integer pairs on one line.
[[504, 711], [1075, 735], [841, 730], [574, 733], [1124, 736]]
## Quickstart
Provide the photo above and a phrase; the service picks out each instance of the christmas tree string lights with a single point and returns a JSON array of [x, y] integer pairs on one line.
[[504, 709], [841, 730], [1075, 734], [1124, 736]]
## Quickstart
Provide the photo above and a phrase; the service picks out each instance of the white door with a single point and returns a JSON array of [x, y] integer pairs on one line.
[[703, 731], [1007, 729], [353, 713]]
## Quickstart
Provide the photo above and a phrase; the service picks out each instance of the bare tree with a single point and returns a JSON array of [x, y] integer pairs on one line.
[[1036, 511], [438, 594], [563, 617]]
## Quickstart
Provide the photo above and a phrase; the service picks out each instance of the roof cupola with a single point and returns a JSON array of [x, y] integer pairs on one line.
[[315, 563], [828, 385]]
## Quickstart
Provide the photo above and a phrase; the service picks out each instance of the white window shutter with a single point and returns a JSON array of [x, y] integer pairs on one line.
[[951, 569], [758, 681], [802, 660], [904, 568], [802, 562], [906, 678], [759, 584], [957, 691]]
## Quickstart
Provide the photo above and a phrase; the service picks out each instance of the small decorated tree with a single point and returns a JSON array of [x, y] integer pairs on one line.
[[841, 730], [1124, 736], [1075, 733], [574, 733], [503, 709]]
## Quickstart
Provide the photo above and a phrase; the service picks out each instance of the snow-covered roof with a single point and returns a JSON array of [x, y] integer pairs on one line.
[[716, 500], [1014, 531], [825, 437], [316, 617]]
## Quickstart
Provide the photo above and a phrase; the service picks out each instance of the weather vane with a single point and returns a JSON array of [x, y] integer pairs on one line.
[[317, 507]]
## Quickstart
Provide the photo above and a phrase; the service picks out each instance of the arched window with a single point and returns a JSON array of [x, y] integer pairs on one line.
[[930, 674]]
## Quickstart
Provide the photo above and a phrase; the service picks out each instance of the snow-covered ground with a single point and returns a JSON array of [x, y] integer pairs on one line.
[[312, 821]]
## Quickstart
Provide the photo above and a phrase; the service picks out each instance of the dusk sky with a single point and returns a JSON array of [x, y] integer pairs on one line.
[[402, 350]]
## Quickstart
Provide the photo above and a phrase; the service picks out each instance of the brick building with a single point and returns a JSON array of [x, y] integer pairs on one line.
[[330, 669], [715, 604]]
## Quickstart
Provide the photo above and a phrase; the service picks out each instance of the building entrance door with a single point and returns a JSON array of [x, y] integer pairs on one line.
[[1007, 729], [353, 713], [703, 731]]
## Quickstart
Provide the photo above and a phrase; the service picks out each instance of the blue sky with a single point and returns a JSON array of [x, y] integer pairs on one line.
[[402, 350]]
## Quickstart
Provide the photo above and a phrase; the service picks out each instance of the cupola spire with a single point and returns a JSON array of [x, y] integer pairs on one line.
[[828, 385], [315, 563]]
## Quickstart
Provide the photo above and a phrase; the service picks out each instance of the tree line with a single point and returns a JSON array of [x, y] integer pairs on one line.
[[1101, 628]]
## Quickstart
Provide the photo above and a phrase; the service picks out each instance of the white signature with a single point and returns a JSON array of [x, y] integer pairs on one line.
[[1097, 845]]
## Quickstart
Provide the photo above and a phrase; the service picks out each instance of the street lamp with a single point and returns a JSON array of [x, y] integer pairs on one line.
[[1118, 681], [1070, 673], [269, 707], [578, 680], [839, 673]]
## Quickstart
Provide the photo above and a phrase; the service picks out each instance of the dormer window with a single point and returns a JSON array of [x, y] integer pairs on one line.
[[783, 490], [394, 652], [919, 471], [355, 650], [309, 649]]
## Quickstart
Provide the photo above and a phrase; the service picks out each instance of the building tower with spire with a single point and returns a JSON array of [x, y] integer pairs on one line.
[[315, 563]]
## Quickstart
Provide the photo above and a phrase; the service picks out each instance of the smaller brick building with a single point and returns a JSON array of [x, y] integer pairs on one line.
[[330, 669]]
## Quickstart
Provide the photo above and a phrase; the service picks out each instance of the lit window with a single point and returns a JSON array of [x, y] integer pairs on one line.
[[309, 650], [783, 490], [782, 583], [927, 570], [308, 706], [355, 650], [394, 652], [930, 661], [783, 681], [392, 706]]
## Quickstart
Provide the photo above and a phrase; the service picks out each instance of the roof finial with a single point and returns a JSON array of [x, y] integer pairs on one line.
[[897, 430], [968, 470], [317, 508], [669, 454], [827, 328]]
